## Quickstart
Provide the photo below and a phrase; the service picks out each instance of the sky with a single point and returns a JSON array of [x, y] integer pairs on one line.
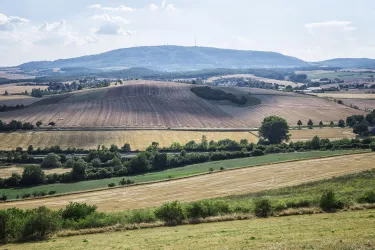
[[312, 30]]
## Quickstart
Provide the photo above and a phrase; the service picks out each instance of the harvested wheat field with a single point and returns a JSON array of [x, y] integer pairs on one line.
[[217, 184], [14, 88], [323, 133], [13, 100], [346, 95], [253, 77], [136, 104], [140, 139], [360, 103], [7, 171], [292, 107]]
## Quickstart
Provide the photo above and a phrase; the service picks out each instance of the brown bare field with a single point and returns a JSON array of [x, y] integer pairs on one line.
[[14, 88], [136, 104], [251, 76], [213, 185], [323, 133], [140, 139], [291, 107], [6, 172]]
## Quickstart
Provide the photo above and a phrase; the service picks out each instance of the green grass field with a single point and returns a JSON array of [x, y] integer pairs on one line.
[[344, 230], [177, 172]]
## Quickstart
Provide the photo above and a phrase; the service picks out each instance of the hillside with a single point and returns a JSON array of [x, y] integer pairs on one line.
[[174, 58], [348, 63]]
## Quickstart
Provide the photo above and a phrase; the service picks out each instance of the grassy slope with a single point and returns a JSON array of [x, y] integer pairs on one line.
[[346, 230], [177, 172]]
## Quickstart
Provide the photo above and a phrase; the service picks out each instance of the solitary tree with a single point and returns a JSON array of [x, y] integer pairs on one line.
[[331, 124], [274, 129], [39, 123], [321, 124], [51, 161], [6, 92], [299, 123], [310, 124]]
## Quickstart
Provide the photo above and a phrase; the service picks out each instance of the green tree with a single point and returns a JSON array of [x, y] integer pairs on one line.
[[126, 147], [30, 149], [79, 170], [6, 93], [204, 143], [310, 124], [38, 124], [321, 125], [140, 163], [51, 161], [315, 143], [341, 124], [274, 129], [299, 123], [351, 121], [32, 175], [360, 128]]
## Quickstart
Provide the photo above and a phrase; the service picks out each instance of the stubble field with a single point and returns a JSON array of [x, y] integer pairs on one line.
[[138, 139], [218, 184]]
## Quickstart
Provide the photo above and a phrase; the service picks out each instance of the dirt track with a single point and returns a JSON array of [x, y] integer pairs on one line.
[[212, 185]]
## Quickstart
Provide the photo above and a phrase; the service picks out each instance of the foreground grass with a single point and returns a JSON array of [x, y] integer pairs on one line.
[[345, 230], [177, 172]]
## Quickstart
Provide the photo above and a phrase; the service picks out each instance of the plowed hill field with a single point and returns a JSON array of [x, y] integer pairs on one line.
[[149, 104], [217, 184], [137, 104], [290, 106]]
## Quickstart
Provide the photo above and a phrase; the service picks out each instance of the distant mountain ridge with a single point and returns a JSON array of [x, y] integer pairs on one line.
[[179, 58], [175, 58]]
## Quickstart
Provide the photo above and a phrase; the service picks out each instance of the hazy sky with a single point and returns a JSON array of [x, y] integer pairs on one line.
[[309, 29]]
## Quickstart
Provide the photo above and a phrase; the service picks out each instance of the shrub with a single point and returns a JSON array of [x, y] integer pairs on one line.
[[141, 216], [4, 197], [263, 208], [210, 170], [222, 168], [112, 185], [172, 213], [203, 209], [124, 181], [257, 152], [52, 192], [329, 202], [76, 211], [40, 223], [280, 206], [372, 146], [368, 197]]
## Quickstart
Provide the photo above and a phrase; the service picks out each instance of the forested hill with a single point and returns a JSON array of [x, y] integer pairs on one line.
[[175, 58]]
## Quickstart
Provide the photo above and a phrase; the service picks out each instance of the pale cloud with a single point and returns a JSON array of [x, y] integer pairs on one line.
[[339, 25], [170, 7], [56, 33], [114, 19], [112, 29], [121, 8], [53, 27], [12, 22], [152, 7], [164, 6]]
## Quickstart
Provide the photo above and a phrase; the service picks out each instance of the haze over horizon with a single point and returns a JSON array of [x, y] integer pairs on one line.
[[309, 30]]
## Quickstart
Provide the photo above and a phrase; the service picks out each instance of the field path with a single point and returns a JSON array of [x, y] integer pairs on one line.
[[218, 184]]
